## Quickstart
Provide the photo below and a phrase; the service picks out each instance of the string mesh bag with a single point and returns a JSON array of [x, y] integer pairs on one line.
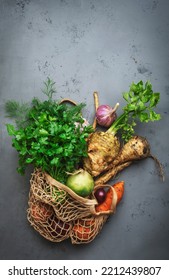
[[43, 219], [86, 229], [67, 205], [58, 213]]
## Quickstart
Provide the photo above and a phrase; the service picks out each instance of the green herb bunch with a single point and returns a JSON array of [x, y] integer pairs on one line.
[[49, 135], [141, 101]]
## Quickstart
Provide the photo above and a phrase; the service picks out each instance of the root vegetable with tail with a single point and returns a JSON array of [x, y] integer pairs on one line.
[[135, 149]]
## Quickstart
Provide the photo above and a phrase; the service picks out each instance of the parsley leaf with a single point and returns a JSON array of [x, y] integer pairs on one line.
[[140, 103]]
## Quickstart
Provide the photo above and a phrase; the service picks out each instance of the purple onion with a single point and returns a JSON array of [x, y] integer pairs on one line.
[[106, 115], [100, 195]]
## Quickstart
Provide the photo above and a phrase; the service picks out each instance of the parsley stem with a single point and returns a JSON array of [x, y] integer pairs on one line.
[[117, 124]]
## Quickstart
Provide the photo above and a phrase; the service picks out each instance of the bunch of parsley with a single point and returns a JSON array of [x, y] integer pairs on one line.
[[46, 134]]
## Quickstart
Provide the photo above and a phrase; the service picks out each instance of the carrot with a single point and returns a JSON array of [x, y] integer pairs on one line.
[[119, 188], [106, 205]]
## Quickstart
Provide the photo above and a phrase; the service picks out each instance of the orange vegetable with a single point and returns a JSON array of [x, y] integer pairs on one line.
[[41, 211], [119, 188], [107, 203], [84, 229], [82, 232]]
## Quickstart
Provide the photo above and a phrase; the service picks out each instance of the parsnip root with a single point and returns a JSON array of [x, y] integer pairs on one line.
[[135, 149]]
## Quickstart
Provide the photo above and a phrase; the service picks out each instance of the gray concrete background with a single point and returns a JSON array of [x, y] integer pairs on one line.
[[86, 46]]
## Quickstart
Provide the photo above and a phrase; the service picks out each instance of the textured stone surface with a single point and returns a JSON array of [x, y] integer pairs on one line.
[[86, 46]]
